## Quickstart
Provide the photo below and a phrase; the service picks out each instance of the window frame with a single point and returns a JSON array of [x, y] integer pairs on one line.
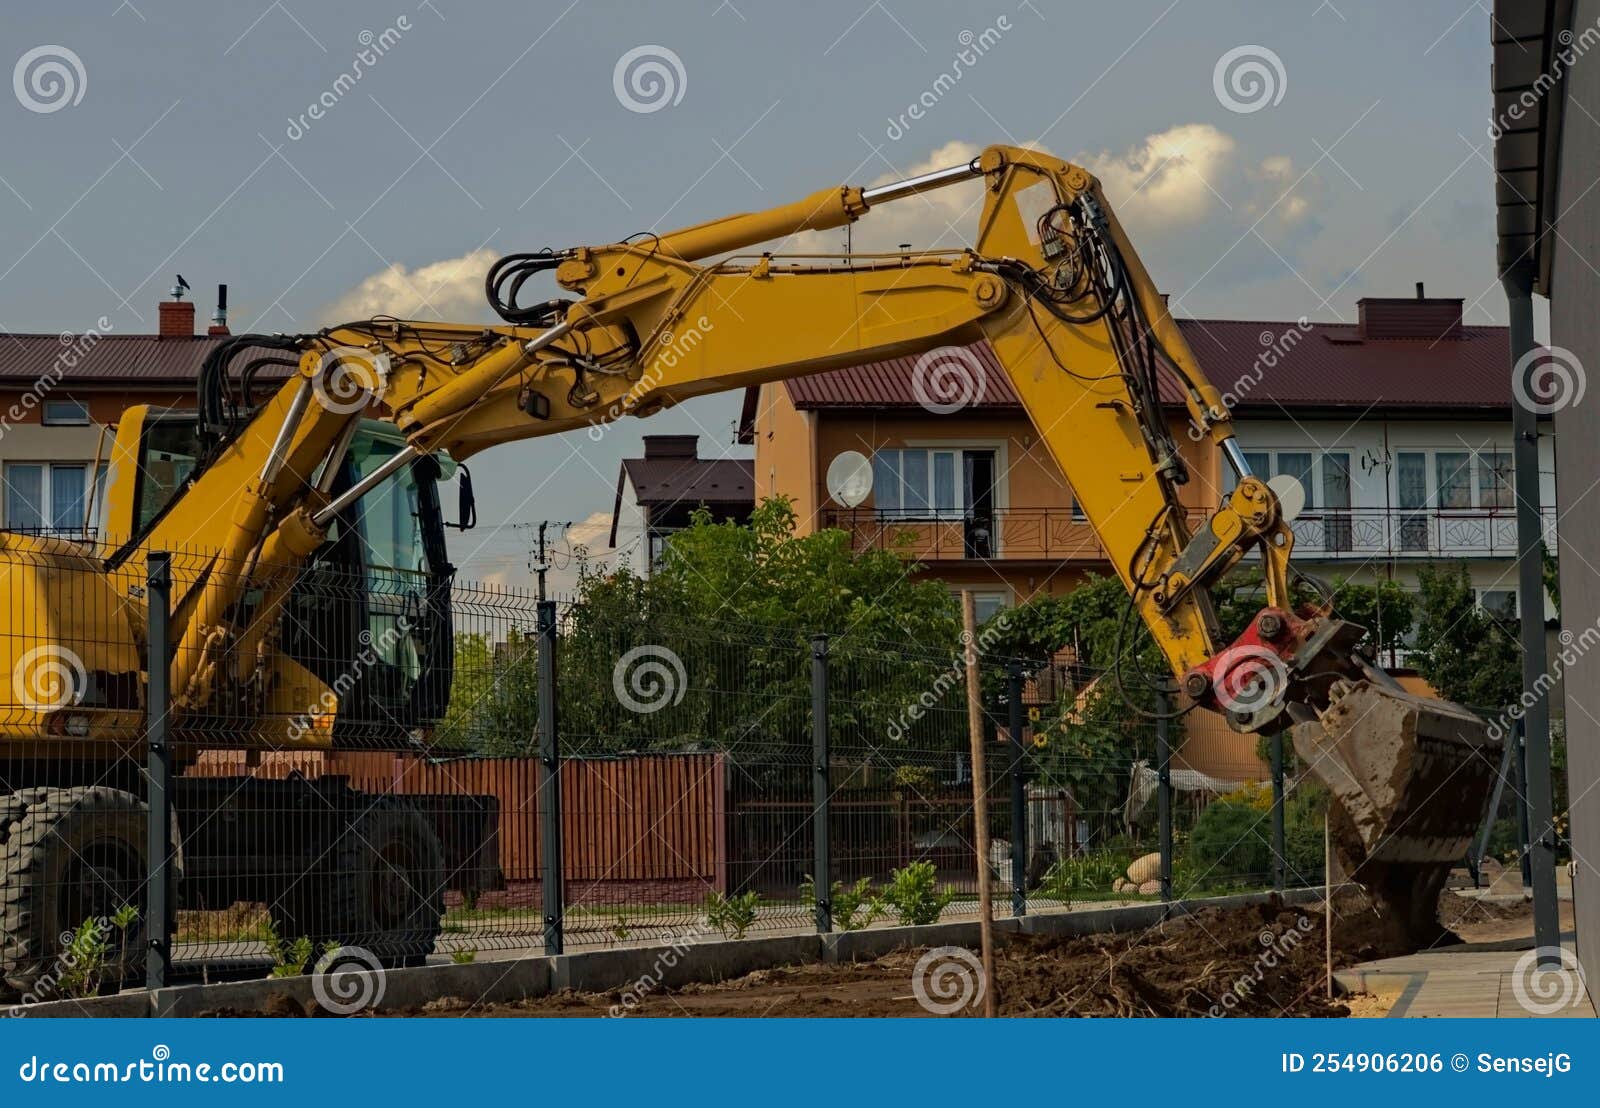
[[47, 524], [83, 420]]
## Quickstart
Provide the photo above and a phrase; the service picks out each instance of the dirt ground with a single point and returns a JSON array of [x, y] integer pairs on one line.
[[1258, 961]]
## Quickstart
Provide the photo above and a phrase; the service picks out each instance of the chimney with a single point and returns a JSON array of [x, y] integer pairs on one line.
[[1398, 317], [177, 314], [219, 318], [686, 447]]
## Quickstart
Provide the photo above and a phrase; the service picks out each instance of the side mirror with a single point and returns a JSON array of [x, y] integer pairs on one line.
[[466, 504]]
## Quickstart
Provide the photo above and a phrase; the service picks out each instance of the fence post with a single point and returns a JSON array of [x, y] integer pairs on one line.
[[1164, 784], [158, 827], [1279, 859], [551, 892], [821, 786], [1019, 792]]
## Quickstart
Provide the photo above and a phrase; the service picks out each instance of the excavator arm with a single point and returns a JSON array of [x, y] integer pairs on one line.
[[1054, 287]]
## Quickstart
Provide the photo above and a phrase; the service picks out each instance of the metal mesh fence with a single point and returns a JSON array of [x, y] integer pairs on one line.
[[400, 767]]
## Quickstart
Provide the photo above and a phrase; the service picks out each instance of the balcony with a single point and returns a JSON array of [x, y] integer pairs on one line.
[[1059, 534]]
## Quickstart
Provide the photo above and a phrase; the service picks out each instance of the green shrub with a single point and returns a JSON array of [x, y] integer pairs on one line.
[[852, 907], [1230, 841], [732, 915], [914, 895]]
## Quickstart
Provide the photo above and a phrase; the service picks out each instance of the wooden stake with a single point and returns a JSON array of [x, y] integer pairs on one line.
[[1327, 897], [980, 799]]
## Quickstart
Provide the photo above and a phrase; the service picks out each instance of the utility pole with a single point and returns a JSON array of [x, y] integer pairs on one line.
[[540, 563]]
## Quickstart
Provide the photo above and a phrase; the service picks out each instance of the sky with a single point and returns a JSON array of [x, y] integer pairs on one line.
[[1271, 160]]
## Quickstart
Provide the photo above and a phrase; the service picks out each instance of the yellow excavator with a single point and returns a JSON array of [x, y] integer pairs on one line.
[[279, 487]]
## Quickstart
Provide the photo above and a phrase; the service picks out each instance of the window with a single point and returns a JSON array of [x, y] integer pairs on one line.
[[1453, 479], [66, 413], [919, 483], [1500, 603], [1495, 488], [986, 602], [46, 497]]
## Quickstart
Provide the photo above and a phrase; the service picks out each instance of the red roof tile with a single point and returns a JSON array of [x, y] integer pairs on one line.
[[1330, 366], [111, 359]]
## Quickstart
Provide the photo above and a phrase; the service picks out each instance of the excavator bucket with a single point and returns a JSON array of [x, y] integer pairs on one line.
[[1410, 777]]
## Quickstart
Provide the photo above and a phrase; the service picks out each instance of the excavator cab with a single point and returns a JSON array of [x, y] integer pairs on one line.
[[369, 613]]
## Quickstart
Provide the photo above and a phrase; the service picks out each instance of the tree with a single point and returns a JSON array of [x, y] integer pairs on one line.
[[1465, 652]]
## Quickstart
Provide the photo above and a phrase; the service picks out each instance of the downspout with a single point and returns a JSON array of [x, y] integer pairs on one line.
[[1518, 284]]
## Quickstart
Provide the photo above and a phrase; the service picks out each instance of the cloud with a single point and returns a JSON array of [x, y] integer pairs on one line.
[[451, 289], [1168, 179]]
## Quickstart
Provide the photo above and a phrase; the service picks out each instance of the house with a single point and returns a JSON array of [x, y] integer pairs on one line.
[[60, 394], [1397, 426], [656, 495]]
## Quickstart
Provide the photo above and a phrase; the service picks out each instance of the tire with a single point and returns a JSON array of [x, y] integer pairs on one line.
[[69, 856], [383, 891]]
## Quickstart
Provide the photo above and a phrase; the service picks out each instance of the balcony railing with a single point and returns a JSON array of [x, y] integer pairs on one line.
[[1060, 534]]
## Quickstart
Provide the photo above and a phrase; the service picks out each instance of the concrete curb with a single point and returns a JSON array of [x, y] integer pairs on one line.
[[666, 966]]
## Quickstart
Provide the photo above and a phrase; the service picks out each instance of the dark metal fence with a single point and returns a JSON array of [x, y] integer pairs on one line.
[[392, 766]]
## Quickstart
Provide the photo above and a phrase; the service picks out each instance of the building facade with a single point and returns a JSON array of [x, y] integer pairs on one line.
[[658, 493], [1398, 428]]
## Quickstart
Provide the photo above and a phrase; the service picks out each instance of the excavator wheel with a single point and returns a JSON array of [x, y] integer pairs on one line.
[[1411, 777], [389, 889], [382, 891], [69, 856]]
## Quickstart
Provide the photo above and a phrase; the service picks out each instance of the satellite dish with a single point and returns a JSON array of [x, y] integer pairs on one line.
[[850, 478], [1291, 496]]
